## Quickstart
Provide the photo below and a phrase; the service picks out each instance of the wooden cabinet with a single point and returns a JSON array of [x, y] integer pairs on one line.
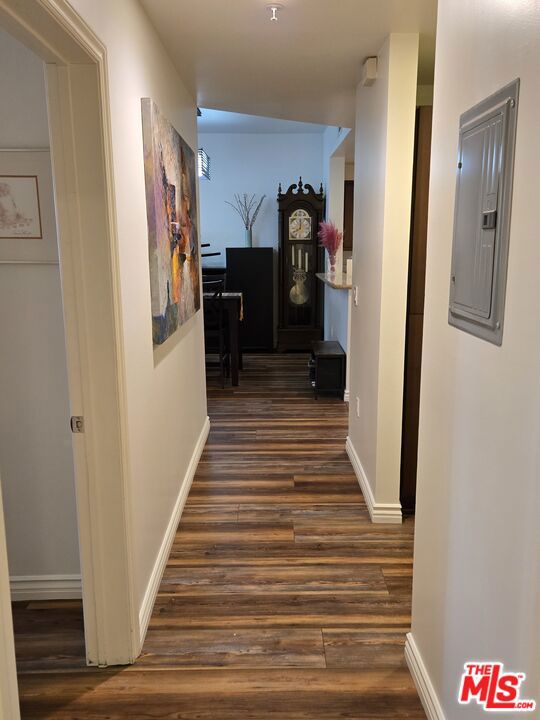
[[301, 297]]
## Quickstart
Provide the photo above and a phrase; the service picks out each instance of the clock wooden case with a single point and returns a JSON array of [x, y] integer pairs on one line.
[[301, 296]]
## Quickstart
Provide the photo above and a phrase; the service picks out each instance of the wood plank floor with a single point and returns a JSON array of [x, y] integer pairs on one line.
[[280, 599]]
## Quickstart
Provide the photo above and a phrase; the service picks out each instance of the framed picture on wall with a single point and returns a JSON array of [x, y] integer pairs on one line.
[[171, 210], [27, 208], [20, 216]]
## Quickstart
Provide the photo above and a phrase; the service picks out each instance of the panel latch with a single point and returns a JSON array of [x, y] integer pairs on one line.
[[489, 220], [77, 424]]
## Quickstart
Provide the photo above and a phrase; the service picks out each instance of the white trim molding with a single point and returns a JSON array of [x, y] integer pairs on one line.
[[346, 395], [379, 512], [45, 587], [426, 691], [152, 588]]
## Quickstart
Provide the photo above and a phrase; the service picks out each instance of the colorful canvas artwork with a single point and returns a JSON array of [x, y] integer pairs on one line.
[[171, 206], [20, 215]]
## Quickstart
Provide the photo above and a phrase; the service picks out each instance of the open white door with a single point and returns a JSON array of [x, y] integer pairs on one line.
[[9, 693]]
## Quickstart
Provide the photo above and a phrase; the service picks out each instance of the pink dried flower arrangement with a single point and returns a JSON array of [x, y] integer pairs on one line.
[[330, 238]]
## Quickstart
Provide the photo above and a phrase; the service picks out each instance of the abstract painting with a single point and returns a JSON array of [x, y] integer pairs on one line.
[[20, 215], [171, 208]]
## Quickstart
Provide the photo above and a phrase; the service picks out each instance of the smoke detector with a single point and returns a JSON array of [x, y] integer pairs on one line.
[[369, 71]]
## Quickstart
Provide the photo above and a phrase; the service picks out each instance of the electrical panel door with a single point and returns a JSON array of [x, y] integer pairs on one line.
[[482, 215]]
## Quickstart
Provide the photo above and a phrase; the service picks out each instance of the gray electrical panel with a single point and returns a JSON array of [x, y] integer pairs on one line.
[[487, 134]]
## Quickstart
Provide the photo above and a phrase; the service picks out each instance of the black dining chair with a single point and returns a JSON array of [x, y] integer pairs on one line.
[[216, 333], [209, 274]]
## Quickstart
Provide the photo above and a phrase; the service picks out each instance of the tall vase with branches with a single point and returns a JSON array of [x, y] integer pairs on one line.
[[248, 208]]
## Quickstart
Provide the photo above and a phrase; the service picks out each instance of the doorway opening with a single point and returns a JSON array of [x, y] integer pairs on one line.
[[270, 184], [36, 456], [415, 308], [81, 164]]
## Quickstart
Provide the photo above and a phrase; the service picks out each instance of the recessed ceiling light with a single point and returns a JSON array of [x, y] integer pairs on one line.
[[274, 8]]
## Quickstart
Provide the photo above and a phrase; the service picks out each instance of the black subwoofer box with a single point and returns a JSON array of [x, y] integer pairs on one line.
[[251, 272]]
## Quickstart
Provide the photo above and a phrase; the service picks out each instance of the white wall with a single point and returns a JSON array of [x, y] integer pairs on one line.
[[23, 110], [253, 163], [165, 388], [36, 460], [477, 555], [336, 302], [385, 118], [336, 316]]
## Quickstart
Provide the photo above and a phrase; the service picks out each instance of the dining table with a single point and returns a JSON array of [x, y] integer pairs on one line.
[[233, 305]]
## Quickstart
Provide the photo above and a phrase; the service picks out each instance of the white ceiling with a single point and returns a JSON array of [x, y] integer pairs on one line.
[[304, 67], [220, 121]]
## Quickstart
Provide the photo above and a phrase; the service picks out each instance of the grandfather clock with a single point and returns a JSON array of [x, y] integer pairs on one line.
[[300, 209]]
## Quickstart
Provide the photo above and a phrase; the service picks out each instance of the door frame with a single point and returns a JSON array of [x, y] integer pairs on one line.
[[9, 694], [81, 151]]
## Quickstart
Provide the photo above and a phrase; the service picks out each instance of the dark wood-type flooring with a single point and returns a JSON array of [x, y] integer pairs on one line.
[[280, 599]]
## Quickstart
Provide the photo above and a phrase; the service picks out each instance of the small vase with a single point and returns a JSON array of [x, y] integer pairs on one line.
[[249, 237], [332, 263]]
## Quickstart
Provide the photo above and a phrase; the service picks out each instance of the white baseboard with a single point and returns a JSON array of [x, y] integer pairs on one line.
[[423, 683], [45, 587], [379, 512], [346, 395], [152, 588]]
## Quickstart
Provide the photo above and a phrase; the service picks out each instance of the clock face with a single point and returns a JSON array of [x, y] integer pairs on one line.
[[300, 225]]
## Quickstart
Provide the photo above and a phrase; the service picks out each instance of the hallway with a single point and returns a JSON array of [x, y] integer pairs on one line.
[[280, 598]]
